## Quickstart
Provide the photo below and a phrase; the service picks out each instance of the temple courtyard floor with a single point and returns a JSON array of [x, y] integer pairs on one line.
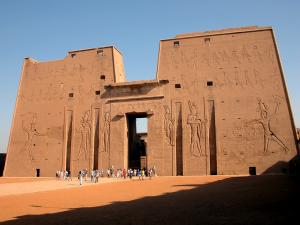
[[266, 199]]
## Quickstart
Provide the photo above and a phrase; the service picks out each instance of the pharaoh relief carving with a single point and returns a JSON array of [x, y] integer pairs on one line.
[[168, 125], [106, 131], [250, 54], [30, 128], [85, 135], [239, 78], [266, 116], [196, 128]]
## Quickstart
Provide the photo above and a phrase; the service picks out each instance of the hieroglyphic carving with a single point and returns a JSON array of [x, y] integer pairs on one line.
[[216, 59], [239, 78], [195, 58], [224, 56], [246, 133], [227, 80], [205, 58], [168, 125], [248, 81], [31, 132], [264, 121], [85, 132], [235, 57], [196, 127], [258, 78], [106, 131], [257, 54], [245, 54], [174, 60]]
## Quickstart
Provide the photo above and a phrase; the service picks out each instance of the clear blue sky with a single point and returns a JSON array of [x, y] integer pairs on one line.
[[47, 30]]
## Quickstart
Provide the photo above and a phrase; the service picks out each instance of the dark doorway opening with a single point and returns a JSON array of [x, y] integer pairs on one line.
[[38, 172], [137, 140], [252, 170]]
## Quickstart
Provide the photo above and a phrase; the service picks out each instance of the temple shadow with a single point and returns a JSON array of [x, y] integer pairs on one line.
[[281, 167], [235, 200]]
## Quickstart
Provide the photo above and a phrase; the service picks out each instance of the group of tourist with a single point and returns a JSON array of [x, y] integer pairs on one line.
[[115, 173], [141, 174], [63, 175]]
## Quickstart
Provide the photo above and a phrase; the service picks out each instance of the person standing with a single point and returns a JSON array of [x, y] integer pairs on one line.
[[150, 173], [124, 173], [143, 174], [80, 177]]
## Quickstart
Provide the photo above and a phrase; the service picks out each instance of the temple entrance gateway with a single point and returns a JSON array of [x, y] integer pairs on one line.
[[215, 106], [137, 150]]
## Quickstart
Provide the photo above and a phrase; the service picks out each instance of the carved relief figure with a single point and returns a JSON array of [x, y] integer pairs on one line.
[[31, 132], [257, 54], [235, 57], [106, 131], [85, 132], [168, 125], [196, 126], [245, 54], [265, 119]]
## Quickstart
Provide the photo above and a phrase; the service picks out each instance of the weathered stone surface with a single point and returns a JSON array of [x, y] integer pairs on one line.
[[218, 105]]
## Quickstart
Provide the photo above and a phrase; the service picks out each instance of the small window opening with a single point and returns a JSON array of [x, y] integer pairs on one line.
[[177, 85], [210, 83], [73, 55], [97, 92], [252, 170], [102, 77], [100, 52], [207, 40], [37, 172], [176, 43], [71, 95]]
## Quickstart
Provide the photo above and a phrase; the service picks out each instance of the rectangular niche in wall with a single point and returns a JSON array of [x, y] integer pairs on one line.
[[179, 158], [69, 125], [212, 138], [96, 139]]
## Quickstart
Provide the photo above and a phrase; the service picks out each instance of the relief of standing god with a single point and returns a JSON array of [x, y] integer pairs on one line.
[[106, 131], [168, 125], [196, 126], [31, 132], [85, 131]]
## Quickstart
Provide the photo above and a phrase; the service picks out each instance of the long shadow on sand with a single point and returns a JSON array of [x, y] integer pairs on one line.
[[237, 200]]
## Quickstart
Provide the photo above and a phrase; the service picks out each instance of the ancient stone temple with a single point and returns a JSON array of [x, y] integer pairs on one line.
[[218, 105]]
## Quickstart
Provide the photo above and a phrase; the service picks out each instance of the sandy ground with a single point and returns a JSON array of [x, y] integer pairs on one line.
[[5, 180], [162, 200], [18, 186]]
